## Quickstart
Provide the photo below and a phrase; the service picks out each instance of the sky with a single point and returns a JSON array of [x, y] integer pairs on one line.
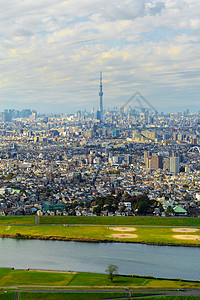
[[51, 53]]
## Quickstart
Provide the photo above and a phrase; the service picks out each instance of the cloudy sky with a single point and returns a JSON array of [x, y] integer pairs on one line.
[[51, 53]]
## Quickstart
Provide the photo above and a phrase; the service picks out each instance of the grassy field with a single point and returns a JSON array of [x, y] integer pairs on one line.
[[85, 295], [56, 231], [95, 296], [70, 296], [148, 221], [151, 235], [7, 295], [17, 278], [9, 277], [17, 220], [172, 298], [75, 296], [152, 221]]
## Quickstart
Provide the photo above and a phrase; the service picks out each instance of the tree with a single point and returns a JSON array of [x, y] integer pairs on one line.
[[142, 204], [169, 211], [112, 271]]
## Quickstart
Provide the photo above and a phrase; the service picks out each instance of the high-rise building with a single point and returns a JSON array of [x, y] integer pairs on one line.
[[147, 154], [174, 164], [128, 159], [166, 164], [32, 117], [6, 116], [156, 162], [25, 113], [147, 159], [100, 111], [115, 133]]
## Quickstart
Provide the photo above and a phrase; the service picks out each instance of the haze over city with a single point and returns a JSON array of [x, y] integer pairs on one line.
[[52, 53]]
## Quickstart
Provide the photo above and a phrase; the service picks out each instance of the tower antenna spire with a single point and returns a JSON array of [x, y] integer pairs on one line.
[[101, 98]]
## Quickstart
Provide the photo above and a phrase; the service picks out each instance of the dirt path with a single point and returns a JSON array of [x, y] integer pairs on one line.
[[36, 220]]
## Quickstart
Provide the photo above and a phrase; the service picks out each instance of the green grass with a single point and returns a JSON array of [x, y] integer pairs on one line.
[[164, 284], [57, 231], [145, 234], [17, 220], [69, 296], [9, 277], [171, 298], [95, 296], [163, 235], [153, 221], [93, 279], [31, 278], [148, 221], [86, 295], [7, 295]]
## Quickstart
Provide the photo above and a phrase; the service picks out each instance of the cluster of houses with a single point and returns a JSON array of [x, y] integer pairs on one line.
[[51, 168]]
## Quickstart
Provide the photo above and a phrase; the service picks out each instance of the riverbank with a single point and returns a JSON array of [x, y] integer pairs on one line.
[[88, 240], [79, 280], [130, 221], [99, 220], [41, 284], [163, 236]]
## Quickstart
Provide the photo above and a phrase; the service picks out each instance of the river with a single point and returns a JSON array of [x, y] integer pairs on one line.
[[140, 259]]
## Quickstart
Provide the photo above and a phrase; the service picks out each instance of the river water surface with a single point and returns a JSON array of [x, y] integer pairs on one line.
[[140, 259]]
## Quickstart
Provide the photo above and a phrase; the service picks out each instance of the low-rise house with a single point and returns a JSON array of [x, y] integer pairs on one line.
[[179, 211]]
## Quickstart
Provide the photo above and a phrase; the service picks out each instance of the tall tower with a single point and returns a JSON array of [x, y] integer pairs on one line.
[[101, 99], [174, 164]]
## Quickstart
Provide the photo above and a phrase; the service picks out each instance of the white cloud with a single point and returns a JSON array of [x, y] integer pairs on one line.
[[56, 49]]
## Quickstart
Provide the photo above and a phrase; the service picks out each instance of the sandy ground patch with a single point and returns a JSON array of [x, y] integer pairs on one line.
[[187, 237], [123, 228], [124, 236], [185, 229]]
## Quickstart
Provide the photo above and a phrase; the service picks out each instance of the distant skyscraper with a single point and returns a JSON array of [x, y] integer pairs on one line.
[[100, 111], [6, 116], [174, 164], [147, 159], [156, 162], [166, 164]]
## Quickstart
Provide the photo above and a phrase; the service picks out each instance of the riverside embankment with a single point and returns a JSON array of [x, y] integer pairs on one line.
[[152, 235]]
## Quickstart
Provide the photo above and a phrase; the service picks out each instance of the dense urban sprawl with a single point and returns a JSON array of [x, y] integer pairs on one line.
[[130, 164]]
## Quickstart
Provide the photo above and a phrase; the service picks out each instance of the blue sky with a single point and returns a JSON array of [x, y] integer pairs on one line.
[[52, 52]]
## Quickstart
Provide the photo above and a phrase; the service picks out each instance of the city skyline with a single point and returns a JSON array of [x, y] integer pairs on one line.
[[52, 53]]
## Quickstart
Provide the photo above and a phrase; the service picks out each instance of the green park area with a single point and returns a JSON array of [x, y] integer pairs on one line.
[[157, 235], [150, 230], [80, 280], [35, 284], [71, 296]]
